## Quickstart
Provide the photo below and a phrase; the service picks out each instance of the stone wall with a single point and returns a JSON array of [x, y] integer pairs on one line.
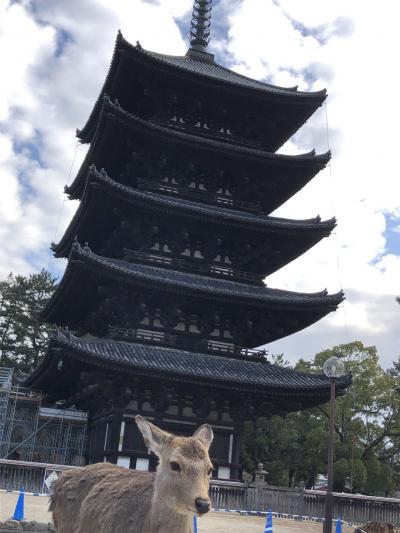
[[28, 527]]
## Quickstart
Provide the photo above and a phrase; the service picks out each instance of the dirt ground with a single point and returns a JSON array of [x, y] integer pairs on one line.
[[36, 509], [232, 523], [35, 506]]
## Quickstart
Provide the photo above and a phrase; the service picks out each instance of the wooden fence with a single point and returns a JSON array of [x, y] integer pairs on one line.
[[355, 509], [32, 477], [226, 495]]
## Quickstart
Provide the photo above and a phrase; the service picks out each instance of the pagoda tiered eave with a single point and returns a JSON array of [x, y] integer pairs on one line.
[[86, 270], [300, 168], [85, 221], [260, 379], [204, 75], [190, 283]]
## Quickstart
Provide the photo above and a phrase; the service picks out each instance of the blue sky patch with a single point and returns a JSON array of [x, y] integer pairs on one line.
[[392, 234], [63, 39], [30, 149]]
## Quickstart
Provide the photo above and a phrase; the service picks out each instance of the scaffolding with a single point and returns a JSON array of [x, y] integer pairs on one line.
[[30, 431], [5, 388]]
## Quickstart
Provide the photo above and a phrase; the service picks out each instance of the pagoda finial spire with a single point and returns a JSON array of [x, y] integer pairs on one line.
[[200, 26]]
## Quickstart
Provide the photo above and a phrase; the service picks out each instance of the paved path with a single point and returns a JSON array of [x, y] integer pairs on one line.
[[36, 509]]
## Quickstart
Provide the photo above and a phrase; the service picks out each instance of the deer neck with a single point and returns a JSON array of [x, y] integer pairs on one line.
[[169, 521], [164, 518]]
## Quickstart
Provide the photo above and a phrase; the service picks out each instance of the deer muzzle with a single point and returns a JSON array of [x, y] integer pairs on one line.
[[202, 505]]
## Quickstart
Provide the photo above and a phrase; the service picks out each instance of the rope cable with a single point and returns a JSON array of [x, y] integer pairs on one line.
[[338, 264], [64, 199]]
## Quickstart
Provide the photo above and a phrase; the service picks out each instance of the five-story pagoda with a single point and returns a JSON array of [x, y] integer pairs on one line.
[[168, 250]]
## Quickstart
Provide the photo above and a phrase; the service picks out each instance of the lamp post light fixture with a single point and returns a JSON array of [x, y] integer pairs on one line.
[[334, 368]]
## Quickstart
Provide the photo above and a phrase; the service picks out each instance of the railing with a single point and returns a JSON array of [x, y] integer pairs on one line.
[[19, 392], [203, 268], [202, 130], [31, 476], [355, 509], [202, 196], [175, 341]]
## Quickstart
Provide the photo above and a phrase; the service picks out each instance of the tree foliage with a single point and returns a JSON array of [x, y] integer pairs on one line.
[[367, 430], [23, 338]]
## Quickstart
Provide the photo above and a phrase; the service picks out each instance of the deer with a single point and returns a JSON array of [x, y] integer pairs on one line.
[[105, 498]]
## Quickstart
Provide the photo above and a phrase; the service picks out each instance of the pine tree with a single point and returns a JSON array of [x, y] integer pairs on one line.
[[23, 338]]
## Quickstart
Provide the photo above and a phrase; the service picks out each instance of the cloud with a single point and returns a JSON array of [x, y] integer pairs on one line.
[[372, 318], [56, 55], [311, 42]]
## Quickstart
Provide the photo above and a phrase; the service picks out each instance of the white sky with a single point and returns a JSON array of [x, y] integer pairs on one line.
[[54, 57]]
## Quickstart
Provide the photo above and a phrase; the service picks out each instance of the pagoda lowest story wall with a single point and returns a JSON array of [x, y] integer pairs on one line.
[[114, 435]]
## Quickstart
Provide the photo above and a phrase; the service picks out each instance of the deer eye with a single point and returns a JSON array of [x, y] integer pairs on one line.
[[175, 467]]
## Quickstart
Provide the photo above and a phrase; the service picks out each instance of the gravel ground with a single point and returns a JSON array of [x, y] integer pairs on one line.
[[36, 509]]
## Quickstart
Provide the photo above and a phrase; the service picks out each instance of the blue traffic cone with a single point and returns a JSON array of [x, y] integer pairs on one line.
[[19, 509], [268, 525], [338, 526], [195, 524]]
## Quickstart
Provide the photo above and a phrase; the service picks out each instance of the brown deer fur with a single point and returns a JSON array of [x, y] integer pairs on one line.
[[378, 527], [104, 498]]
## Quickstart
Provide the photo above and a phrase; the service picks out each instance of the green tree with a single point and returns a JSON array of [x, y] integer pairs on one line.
[[379, 477], [367, 419], [367, 429], [23, 338], [368, 415], [270, 441], [311, 447]]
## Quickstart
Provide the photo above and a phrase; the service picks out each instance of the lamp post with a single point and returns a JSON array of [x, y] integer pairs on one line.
[[333, 368]]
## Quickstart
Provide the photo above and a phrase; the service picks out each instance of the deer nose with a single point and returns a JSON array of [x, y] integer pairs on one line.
[[202, 505]]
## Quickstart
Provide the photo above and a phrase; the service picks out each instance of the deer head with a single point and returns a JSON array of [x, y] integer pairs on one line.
[[184, 470]]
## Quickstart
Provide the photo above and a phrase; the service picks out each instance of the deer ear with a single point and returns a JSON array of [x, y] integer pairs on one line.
[[153, 436], [205, 434]]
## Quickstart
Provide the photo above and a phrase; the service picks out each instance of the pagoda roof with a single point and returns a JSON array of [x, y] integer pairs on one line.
[[311, 229], [310, 163], [194, 283], [210, 69], [192, 368], [198, 71], [73, 295]]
